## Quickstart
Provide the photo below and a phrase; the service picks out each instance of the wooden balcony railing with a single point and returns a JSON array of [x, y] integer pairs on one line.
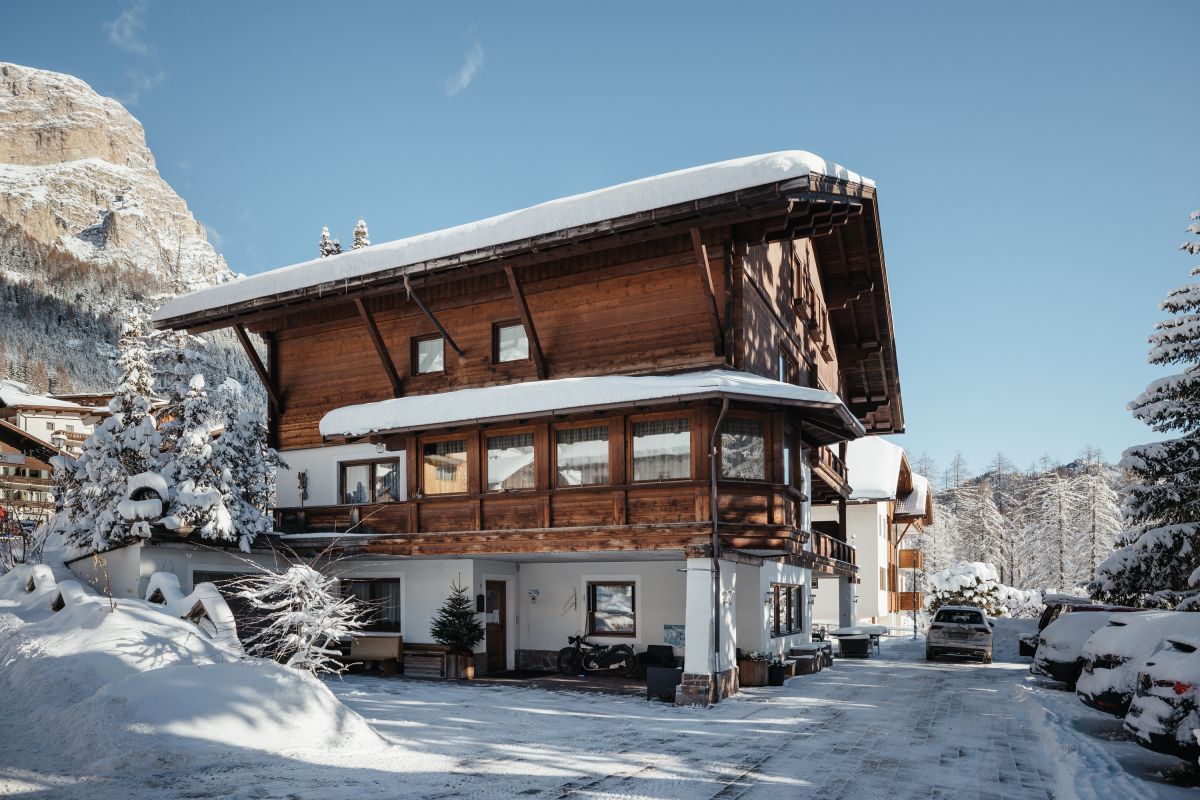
[[825, 545], [911, 559]]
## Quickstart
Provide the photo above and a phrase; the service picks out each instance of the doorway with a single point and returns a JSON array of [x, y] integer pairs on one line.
[[496, 606]]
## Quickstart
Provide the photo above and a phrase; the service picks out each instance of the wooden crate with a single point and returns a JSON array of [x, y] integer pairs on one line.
[[424, 665]]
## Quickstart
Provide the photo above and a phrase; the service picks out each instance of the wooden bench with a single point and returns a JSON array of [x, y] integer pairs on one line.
[[385, 650]]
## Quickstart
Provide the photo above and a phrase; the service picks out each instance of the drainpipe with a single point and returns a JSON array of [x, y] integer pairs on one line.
[[716, 542]]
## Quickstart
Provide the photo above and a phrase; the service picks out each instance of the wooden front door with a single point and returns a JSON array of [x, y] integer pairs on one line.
[[496, 606]]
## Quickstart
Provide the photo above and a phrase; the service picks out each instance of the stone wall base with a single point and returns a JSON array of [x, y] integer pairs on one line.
[[704, 689]]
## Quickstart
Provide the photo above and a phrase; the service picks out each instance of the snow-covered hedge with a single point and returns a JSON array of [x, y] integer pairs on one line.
[[976, 583]]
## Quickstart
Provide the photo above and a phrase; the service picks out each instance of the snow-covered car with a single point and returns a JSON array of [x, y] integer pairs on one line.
[[1116, 653], [959, 631], [1164, 713], [1056, 606], [1060, 646]]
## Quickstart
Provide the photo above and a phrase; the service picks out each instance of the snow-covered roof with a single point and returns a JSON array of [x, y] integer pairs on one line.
[[567, 395], [914, 503], [15, 394], [635, 197], [873, 464]]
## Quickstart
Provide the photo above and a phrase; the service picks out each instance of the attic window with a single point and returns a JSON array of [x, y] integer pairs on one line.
[[510, 342]]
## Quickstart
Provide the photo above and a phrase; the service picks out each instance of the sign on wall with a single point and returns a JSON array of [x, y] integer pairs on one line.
[[673, 635], [12, 458]]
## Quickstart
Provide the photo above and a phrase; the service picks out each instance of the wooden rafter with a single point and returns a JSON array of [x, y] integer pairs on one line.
[[256, 362], [421, 303], [380, 347], [710, 294], [535, 345]]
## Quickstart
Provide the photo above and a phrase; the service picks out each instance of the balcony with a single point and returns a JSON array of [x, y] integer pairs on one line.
[[911, 559], [831, 478]]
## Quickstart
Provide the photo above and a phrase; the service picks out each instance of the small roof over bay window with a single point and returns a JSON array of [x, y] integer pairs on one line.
[[832, 420]]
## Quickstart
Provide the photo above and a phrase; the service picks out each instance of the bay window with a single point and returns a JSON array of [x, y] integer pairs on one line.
[[581, 455], [662, 450], [743, 450], [444, 466], [510, 462]]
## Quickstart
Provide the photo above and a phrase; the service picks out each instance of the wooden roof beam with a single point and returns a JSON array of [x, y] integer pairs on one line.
[[710, 294], [432, 318], [256, 362], [539, 360], [385, 357]]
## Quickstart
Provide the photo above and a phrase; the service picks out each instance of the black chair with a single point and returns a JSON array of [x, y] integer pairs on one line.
[[657, 655], [661, 682]]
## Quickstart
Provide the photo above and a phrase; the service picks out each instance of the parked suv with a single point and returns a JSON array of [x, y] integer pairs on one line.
[[1056, 606], [959, 631]]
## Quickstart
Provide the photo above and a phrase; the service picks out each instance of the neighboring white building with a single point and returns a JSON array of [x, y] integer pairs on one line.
[[61, 422], [886, 499]]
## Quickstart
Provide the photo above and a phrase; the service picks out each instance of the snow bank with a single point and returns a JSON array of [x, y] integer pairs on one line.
[[622, 200], [99, 680]]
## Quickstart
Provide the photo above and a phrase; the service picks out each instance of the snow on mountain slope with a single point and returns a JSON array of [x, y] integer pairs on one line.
[[75, 173]]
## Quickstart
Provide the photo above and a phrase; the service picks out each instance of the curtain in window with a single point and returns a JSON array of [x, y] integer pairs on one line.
[[662, 450], [356, 483], [445, 467], [582, 455], [510, 462], [386, 595], [743, 450]]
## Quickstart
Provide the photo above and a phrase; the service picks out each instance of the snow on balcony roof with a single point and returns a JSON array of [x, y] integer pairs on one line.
[[14, 394], [567, 395], [621, 200], [915, 503], [873, 464]]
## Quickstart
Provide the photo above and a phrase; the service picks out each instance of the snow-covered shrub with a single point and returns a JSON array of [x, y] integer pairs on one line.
[[969, 583], [327, 246], [200, 482], [250, 465], [301, 617], [1158, 559]]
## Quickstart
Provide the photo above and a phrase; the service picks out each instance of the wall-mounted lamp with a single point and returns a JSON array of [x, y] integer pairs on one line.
[[534, 594], [302, 481]]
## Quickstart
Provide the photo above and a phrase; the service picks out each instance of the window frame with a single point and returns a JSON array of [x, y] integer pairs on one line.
[[589, 611], [787, 604], [344, 583], [364, 462], [765, 421], [510, 323], [693, 445], [415, 355], [607, 424], [484, 482], [466, 439]]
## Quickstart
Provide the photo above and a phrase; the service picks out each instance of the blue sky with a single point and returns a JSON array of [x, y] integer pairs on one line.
[[1036, 161]]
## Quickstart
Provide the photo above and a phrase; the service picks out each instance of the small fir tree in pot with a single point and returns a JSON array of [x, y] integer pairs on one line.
[[456, 626]]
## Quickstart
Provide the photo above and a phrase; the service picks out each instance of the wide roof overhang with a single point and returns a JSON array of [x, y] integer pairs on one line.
[[825, 418]]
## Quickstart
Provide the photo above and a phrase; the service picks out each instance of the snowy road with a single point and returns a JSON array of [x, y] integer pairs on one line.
[[894, 727]]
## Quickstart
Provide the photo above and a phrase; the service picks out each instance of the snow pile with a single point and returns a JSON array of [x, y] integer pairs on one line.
[[635, 197], [975, 583], [873, 464], [98, 681]]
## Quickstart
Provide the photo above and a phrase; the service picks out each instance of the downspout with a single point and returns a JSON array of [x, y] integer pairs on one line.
[[716, 543]]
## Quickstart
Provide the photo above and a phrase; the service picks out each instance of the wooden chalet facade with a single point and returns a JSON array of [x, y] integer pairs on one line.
[[641, 405]]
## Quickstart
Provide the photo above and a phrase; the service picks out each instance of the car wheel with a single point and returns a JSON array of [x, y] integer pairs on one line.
[[929, 655]]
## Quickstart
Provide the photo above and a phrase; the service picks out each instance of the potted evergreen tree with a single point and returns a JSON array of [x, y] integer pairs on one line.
[[457, 628]]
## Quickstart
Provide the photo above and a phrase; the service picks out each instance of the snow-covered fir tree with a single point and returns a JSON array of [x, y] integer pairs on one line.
[[360, 236], [200, 492], [1098, 513], [249, 465], [327, 246], [125, 444], [1158, 561], [300, 615]]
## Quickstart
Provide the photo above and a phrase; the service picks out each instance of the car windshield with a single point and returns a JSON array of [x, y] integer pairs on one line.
[[960, 617]]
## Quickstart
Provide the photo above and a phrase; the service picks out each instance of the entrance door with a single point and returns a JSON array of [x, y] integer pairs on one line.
[[496, 607]]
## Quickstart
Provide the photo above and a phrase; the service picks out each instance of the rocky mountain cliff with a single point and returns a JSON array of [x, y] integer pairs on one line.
[[76, 174], [87, 228]]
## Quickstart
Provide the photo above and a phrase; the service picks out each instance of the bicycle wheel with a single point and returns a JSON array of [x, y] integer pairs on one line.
[[630, 660], [568, 661]]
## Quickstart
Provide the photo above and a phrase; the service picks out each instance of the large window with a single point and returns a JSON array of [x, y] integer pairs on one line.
[[662, 450], [787, 616], [510, 342], [743, 450], [581, 457], [611, 608], [382, 599], [429, 354], [510, 462], [444, 467], [373, 482]]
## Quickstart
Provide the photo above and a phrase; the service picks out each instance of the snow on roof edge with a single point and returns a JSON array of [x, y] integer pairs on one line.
[[610, 202], [873, 464], [563, 395]]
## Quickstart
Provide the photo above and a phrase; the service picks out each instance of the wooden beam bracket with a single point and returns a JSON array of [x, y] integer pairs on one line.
[[535, 345], [710, 294], [256, 362], [380, 347], [416, 298]]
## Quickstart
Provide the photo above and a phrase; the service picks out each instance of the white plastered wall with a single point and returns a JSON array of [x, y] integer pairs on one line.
[[321, 466], [753, 611], [866, 530]]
